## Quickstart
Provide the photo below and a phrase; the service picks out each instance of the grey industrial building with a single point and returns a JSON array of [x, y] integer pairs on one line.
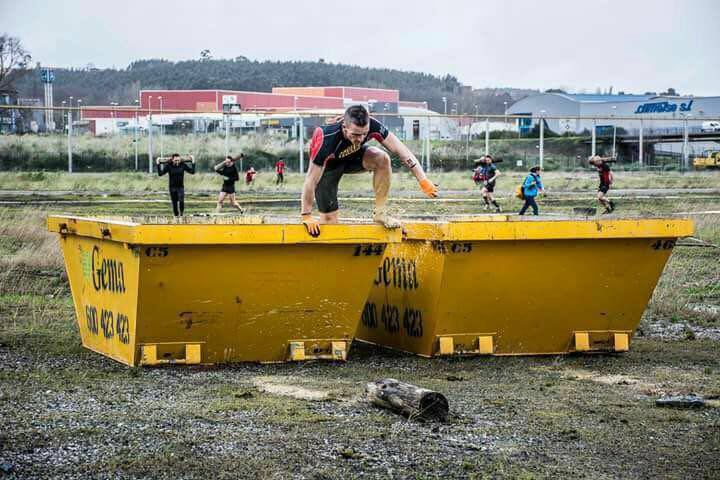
[[657, 112]]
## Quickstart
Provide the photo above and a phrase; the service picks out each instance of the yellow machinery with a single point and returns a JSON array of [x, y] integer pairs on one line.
[[148, 294], [502, 285], [707, 160]]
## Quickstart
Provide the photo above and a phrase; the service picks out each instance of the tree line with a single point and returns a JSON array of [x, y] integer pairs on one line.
[[102, 86]]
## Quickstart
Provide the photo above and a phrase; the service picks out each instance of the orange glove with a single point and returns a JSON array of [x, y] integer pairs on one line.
[[429, 188], [311, 225]]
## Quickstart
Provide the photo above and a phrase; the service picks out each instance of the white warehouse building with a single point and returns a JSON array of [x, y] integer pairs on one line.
[[658, 113]]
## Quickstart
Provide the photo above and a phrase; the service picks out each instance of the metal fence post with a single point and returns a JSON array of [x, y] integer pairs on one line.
[[542, 140], [487, 136], [640, 145], [69, 140], [301, 143], [686, 147], [150, 145]]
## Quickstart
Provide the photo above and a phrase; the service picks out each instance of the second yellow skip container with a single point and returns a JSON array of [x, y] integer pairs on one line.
[[501, 285]]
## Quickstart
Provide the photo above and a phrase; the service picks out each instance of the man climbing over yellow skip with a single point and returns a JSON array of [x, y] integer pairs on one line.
[[340, 148]]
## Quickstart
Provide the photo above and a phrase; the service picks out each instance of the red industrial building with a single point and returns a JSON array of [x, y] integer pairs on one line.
[[205, 107], [229, 100]]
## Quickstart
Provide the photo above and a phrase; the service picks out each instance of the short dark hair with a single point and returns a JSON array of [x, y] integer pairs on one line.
[[358, 115], [174, 155], [535, 169]]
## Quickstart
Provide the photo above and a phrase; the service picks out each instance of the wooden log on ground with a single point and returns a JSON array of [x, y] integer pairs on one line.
[[408, 400]]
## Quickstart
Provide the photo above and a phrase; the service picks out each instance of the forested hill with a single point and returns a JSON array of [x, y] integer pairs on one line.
[[102, 86]]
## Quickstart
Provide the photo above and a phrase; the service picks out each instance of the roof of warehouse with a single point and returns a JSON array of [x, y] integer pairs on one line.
[[589, 97]]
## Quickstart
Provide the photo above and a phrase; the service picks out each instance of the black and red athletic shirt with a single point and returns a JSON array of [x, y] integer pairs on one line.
[[329, 143], [604, 172]]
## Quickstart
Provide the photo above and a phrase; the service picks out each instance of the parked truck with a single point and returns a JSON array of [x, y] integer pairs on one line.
[[708, 160]]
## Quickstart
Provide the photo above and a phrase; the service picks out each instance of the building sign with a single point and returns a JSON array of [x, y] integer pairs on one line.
[[47, 75], [230, 104], [566, 125], [664, 107], [229, 100]]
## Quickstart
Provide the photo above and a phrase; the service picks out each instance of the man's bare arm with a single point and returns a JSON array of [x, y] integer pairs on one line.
[[408, 159], [308, 192]]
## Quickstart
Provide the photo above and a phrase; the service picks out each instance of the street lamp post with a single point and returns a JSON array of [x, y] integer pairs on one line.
[[505, 110], [300, 135], [135, 137], [149, 123], [614, 107], [444, 99], [79, 101], [63, 114], [162, 126], [542, 137]]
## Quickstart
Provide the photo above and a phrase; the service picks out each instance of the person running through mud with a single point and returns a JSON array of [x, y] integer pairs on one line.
[[175, 166], [229, 171], [531, 187], [341, 148], [602, 164], [490, 174], [280, 173]]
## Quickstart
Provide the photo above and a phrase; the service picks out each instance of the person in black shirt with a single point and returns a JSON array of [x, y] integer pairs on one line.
[[340, 148], [176, 167], [229, 171], [489, 174]]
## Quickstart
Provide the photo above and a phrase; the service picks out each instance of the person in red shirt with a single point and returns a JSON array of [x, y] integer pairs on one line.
[[280, 172], [602, 164], [250, 176]]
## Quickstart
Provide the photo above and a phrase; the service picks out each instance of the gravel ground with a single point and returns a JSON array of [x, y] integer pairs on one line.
[[79, 415], [66, 412]]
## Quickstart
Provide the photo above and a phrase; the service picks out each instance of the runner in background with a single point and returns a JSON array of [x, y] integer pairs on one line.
[[250, 176], [280, 173], [532, 185], [229, 171], [602, 164], [175, 166], [489, 174]]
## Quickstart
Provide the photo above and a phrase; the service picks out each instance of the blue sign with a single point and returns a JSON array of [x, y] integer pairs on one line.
[[664, 107], [47, 75]]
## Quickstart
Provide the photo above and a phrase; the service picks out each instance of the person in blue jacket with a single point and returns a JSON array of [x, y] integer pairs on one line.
[[531, 187]]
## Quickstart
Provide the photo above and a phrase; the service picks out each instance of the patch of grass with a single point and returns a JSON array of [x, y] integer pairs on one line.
[[273, 408]]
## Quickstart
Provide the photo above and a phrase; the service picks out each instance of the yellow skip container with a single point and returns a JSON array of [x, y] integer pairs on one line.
[[148, 294], [501, 285]]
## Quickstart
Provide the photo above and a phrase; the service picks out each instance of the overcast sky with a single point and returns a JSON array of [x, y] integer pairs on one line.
[[632, 45]]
